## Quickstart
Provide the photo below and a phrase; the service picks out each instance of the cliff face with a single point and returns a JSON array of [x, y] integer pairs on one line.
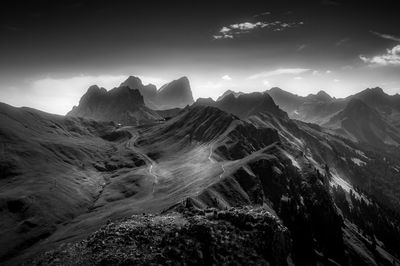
[[121, 105], [176, 94]]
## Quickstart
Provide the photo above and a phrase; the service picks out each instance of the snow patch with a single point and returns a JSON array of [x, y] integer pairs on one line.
[[336, 180], [362, 154], [358, 162]]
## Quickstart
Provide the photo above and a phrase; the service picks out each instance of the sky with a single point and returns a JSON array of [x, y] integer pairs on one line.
[[52, 51]]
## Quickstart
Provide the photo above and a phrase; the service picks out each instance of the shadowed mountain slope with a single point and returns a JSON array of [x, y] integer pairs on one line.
[[48, 172], [176, 94], [245, 105], [121, 105], [362, 123]]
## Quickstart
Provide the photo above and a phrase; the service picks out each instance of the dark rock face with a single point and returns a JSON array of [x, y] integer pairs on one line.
[[228, 92], [149, 91], [134, 103], [195, 237], [175, 94], [121, 105]]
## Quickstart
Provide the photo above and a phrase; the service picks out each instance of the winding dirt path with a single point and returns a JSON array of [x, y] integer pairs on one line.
[[130, 144], [214, 161]]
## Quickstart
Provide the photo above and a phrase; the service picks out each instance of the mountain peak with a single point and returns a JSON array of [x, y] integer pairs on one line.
[[183, 82], [323, 96], [95, 89], [276, 89], [229, 92], [132, 82], [177, 93], [323, 93], [377, 90]]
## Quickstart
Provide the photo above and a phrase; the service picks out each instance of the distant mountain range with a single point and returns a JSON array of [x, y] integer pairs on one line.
[[135, 103], [132, 102], [203, 180], [380, 124]]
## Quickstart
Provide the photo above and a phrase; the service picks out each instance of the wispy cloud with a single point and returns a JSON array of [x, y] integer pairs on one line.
[[301, 47], [262, 14], [226, 77], [280, 71], [391, 58], [342, 41], [234, 30], [386, 36]]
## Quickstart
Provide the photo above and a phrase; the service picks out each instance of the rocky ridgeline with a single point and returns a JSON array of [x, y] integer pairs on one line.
[[187, 236]]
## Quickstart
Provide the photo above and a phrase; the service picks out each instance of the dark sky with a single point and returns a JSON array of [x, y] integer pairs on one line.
[[51, 50]]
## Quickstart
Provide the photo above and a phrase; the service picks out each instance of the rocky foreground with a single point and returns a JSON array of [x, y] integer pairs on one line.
[[244, 236]]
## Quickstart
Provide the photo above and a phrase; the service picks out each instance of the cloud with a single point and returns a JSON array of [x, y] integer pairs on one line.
[[328, 72], [298, 78], [391, 58], [266, 82], [262, 14], [234, 30], [280, 71], [301, 47], [226, 77], [342, 41], [336, 80], [386, 36]]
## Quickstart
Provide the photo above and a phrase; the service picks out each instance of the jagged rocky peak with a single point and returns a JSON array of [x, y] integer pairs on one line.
[[121, 105], [94, 93], [148, 91], [95, 89], [320, 96], [229, 92], [323, 95], [376, 90], [205, 101], [132, 82], [179, 85], [371, 94], [177, 93], [126, 95]]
